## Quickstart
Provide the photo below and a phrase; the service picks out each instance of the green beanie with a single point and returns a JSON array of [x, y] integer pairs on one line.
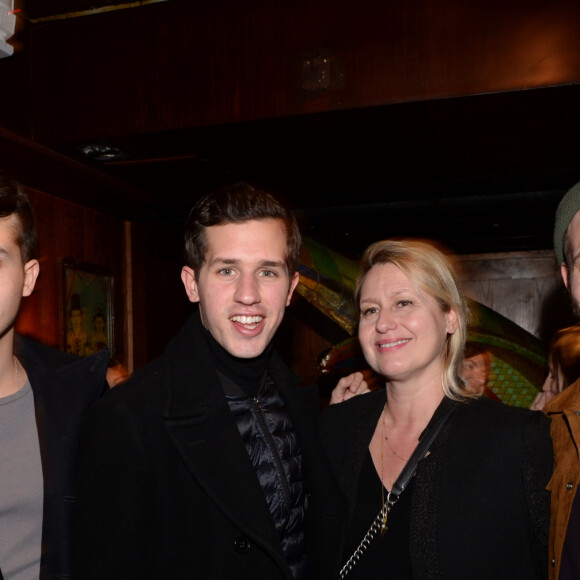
[[567, 209]]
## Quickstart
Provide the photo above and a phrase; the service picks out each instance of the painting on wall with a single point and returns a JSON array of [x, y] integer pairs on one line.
[[88, 319]]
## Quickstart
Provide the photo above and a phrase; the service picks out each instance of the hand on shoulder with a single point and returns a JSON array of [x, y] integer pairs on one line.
[[350, 386]]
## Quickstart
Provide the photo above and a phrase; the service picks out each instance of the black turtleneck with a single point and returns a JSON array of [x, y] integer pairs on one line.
[[246, 373]]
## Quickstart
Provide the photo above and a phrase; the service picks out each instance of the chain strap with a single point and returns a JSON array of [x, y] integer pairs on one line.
[[379, 525]]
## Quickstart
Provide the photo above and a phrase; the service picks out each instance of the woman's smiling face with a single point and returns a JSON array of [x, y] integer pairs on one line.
[[402, 331]]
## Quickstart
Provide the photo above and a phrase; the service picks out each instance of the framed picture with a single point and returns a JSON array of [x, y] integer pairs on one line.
[[88, 314]]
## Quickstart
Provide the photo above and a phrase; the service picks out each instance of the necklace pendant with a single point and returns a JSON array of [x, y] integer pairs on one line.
[[384, 516]]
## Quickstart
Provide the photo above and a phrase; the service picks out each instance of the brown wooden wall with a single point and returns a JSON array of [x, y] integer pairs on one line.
[[184, 64], [160, 304], [67, 230], [525, 287]]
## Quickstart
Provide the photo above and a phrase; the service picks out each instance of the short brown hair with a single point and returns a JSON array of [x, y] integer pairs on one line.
[[236, 204], [13, 201]]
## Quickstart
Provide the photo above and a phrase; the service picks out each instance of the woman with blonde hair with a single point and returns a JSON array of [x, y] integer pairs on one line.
[[440, 482]]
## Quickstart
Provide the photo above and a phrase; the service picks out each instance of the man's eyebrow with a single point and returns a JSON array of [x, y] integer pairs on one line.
[[272, 264], [235, 262], [224, 261]]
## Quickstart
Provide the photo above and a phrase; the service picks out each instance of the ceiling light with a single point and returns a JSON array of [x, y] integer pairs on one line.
[[96, 152]]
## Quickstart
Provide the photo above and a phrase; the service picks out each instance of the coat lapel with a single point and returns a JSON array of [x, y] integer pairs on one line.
[[63, 387], [202, 428], [59, 408]]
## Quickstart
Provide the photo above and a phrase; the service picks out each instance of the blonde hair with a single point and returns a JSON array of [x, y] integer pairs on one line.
[[430, 271]]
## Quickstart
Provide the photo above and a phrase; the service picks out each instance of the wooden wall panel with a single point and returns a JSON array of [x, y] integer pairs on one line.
[[15, 94], [45, 170], [67, 230], [184, 64], [525, 287], [160, 304]]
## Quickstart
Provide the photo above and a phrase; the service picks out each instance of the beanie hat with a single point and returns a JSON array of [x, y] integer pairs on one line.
[[566, 211]]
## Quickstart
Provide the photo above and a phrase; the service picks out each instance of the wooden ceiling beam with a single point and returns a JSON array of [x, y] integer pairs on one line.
[[41, 168]]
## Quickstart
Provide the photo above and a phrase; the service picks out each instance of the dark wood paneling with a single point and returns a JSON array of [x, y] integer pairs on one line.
[[183, 64], [41, 168], [67, 230], [15, 93], [525, 287], [160, 304]]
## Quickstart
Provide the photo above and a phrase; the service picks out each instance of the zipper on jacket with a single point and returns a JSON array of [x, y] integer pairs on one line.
[[272, 446]]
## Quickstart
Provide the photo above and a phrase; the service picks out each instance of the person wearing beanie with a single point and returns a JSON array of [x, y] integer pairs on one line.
[[564, 410], [567, 243]]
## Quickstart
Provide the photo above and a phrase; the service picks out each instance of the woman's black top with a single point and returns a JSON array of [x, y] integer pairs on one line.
[[479, 506], [388, 555]]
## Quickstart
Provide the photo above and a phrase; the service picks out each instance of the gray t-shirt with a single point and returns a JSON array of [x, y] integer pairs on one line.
[[21, 487]]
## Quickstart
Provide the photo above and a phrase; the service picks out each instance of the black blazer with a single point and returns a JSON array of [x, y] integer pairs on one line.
[[64, 386], [480, 509], [167, 489]]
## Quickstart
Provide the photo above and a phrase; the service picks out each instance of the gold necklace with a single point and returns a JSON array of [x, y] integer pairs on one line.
[[405, 459], [386, 505]]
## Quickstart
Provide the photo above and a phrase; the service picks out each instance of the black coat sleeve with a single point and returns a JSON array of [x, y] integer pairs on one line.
[[112, 496], [538, 465]]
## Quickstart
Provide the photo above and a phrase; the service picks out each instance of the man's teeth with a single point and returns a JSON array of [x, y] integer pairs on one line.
[[247, 319], [396, 343]]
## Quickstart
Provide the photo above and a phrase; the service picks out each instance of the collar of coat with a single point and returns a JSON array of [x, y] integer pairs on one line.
[[568, 401]]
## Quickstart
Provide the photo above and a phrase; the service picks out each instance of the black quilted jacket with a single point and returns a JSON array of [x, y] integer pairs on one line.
[[272, 446]]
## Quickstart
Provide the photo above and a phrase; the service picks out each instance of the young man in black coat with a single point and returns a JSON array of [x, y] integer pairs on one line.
[[207, 463], [44, 395]]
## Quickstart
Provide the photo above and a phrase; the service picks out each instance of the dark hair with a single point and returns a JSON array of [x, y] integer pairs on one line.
[[99, 314], [13, 201], [236, 204], [474, 349]]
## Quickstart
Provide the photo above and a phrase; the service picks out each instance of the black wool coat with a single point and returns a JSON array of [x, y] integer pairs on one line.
[[167, 489], [64, 387], [480, 509]]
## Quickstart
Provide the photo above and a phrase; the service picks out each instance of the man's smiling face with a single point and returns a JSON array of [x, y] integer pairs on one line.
[[243, 286]]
